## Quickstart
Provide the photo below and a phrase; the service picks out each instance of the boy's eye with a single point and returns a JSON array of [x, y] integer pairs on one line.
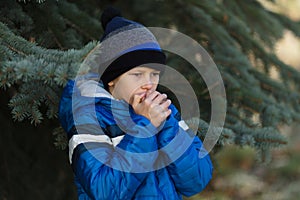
[[137, 74], [155, 73]]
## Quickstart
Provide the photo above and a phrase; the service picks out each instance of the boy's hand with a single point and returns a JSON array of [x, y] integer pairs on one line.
[[154, 106]]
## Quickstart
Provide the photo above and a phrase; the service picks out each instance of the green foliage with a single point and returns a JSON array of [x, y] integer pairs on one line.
[[51, 24], [233, 158], [37, 74], [290, 171], [38, 1], [43, 44], [60, 138]]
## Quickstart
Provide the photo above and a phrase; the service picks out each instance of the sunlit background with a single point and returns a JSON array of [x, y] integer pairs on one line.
[[238, 175]]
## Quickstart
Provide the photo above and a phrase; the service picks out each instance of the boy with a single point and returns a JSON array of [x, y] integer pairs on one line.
[[124, 135]]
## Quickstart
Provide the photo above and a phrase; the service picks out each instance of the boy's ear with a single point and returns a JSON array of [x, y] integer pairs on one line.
[[111, 83]]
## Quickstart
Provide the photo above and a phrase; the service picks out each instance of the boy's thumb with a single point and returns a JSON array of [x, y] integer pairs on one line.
[[136, 100]]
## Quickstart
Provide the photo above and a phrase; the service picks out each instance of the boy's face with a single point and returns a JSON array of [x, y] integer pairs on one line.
[[137, 81]]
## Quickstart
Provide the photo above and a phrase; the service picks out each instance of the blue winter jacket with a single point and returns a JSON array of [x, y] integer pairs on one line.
[[117, 154]]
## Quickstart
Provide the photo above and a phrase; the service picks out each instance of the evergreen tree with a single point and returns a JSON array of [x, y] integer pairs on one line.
[[42, 44]]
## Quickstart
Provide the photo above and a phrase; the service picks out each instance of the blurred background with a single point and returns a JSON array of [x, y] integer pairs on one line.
[[33, 167], [238, 174]]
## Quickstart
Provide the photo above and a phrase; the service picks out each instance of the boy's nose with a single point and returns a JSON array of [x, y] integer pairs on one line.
[[149, 82], [147, 86]]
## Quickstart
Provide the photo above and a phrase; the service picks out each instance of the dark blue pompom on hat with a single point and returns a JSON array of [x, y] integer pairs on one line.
[[126, 44], [108, 14]]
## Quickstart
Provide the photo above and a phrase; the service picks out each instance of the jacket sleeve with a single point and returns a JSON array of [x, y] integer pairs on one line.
[[189, 169]]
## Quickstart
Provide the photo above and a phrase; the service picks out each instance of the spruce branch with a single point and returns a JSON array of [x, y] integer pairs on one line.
[[16, 50], [61, 141], [59, 44], [40, 74], [78, 29], [37, 1]]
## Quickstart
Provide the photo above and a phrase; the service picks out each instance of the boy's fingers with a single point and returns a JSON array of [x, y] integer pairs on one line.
[[168, 112], [151, 96], [137, 99], [160, 99], [166, 104]]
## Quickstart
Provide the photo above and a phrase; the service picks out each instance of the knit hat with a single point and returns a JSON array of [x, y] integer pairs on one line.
[[126, 44]]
